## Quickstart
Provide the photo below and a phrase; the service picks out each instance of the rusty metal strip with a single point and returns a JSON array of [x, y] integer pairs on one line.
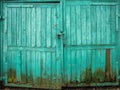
[[107, 73]]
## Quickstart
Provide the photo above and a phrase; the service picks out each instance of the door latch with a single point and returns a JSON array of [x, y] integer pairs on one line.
[[60, 34]]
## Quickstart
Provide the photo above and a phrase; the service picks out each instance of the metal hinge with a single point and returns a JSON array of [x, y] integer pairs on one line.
[[2, 17]]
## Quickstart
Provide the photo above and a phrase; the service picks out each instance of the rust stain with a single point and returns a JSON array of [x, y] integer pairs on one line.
[[11, 76], [107, 71], [98, 76]]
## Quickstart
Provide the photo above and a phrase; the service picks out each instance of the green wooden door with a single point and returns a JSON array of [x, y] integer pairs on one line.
[[31, 56], [89, 50]]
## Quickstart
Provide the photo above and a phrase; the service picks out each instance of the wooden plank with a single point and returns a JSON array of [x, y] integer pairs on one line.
[[68, 25], [33, 28], [88, 25], [98, 15], [102, 64], [33, 54], [73, 60], [13, 26], [38, 26], [104, 4], [28, 26], [19, 38], [73, 27], [78, 64], [23, 67], [69, 76], [48, 69], [88, 66], [23, 27], [18, 67], [108, 24], [104, 25], [83, 19], [112, 25], [9, 26], [43, 82], [53, 27], [9, 60], [37, 68], [31, 49], [93, 64], [48, 28], [43, 26], [78, 23], [53, 77], [90, 46], [28, 65], [93, 24], [5, 45]]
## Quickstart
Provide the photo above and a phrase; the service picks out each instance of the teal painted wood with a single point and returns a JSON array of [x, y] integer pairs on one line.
[[33, 53], [89, 26], [32, 46], [0, 42]]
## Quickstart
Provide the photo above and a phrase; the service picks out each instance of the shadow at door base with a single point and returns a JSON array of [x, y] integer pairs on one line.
[[67, 88], [92, 88]]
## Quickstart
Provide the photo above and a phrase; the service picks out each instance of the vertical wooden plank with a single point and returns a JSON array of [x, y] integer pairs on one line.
[[18, 67], [98, 15], [53, 70], [24, 26], [48, 28], [102, 25], [73, 31], [69, 64], [14, 26], [83, 22], [9, 26], [112, 24], [73, 66], [43, 26], [78, 64], [88, 25], [78, 23], [38, 27], [102, 65], [28, 66], [93, 64], [28, 26], [53, 27], [105, 25], [9, 60], [83, 65], [14, 66], [48, 68], [23, 76], [33, 59], [88, 66], [4, 66], [108, 24], [113, 69], [37, 68], [33, 28], [19, 35], [43, 82], [93, 24], [68, 25]]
